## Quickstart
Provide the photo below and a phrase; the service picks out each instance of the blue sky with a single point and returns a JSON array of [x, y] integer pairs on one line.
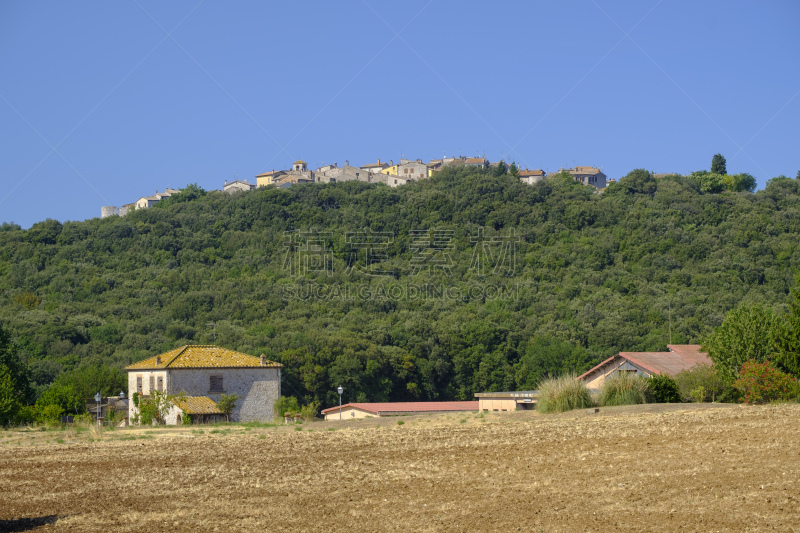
[[104, 102]]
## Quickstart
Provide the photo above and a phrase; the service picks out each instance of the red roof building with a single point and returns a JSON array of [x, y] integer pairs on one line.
[[368, 410], [679, 357]]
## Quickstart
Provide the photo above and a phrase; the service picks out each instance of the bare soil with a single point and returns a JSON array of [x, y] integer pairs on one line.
[[645, 468]]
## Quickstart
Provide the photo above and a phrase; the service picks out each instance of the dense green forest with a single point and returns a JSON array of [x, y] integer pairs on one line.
[[466, 282]]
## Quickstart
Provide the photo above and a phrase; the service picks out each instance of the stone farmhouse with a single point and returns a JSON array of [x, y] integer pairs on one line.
[[238, 185], [679, 357], [586, 175], [204, 373], [531, 177]]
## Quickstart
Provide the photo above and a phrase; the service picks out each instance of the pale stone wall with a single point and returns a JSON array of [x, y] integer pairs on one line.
[[348, 413], [258, 389], [145, 375], [595, 380], [497, 404]]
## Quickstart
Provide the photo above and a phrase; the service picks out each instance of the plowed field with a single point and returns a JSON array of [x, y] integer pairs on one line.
[[656, 468]]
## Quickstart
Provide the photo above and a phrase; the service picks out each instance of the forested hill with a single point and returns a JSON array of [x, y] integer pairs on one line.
[[466, 282]]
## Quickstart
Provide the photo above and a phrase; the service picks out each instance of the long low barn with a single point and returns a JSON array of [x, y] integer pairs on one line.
[[368, 410]]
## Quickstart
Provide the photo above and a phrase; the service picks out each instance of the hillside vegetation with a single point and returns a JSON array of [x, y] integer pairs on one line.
[[592, 274]]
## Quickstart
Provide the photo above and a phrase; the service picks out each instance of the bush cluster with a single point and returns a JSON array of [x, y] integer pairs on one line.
[[564, 393], [622, 388], [762, 382]]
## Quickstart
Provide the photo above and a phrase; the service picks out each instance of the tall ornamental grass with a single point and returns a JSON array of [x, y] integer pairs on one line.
[[622, 388], [565, 393]]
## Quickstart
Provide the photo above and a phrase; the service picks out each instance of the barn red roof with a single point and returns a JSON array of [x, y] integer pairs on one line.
[[408, 407], [679, 357]]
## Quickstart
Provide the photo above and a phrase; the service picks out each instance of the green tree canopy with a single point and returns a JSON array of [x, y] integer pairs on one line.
[[500, 169], [788, 337], [719, 165], [17, 369], [747, 333], [637, 181]]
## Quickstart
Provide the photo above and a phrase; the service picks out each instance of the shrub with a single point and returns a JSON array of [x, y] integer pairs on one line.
[[762, 382], [565, 393], [227, 403], [26, 415], [50, 414], [702, 383], [286, 404], [623, 389], [662, 388], [309, 412]]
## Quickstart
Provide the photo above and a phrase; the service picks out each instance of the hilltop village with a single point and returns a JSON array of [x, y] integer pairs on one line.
[[391, 174]]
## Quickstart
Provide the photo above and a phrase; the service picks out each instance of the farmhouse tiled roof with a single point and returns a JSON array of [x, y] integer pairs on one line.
[[408, 407], [271, 173], [475, 161], [198, 405], [201, 356], [525, 173], [679, 357]]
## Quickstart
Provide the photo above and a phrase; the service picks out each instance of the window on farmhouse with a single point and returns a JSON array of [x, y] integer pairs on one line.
[[139, 384], [215, 384], [161, 384], [152, 383]]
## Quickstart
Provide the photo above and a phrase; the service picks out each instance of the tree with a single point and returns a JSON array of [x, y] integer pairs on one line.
[[17, 369], [788, 337], [637, 181], [227, 403], [513, 170], [64, 396], [719, 165], [500, 169], [709, 182], [747, 333], [739, 182], [9, 405]]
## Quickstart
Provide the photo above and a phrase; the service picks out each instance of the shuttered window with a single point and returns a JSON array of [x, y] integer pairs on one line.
[[152, 384], [139, 384], [160, 384], [215, 384]]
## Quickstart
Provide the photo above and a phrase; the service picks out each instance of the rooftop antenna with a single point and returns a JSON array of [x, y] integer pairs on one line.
[[214, 329]]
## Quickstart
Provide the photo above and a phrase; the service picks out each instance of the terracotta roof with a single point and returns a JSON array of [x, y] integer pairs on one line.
[[198, 405], [583, 170], [679, 357], [408, 407], [475, 161], [526, 173], [273, 172], [194, 356], [299, 162]]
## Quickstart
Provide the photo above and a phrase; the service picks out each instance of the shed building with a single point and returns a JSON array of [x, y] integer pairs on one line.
[[507, 401], [371, 410]]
